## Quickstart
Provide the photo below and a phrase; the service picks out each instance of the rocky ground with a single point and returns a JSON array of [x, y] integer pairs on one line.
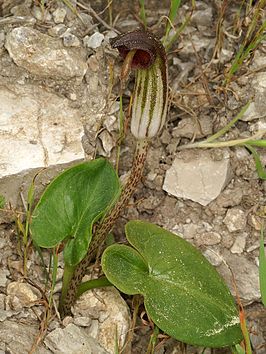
[[58, 105]]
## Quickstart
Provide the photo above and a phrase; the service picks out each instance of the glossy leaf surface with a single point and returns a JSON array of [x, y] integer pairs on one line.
[[71, 204], [183, 293]]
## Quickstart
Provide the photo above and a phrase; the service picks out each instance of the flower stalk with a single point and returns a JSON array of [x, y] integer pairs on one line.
[[142, 51]]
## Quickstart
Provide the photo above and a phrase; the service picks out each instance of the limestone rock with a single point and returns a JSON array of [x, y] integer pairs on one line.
[[37, 129], [43, 55], [21, 295], [197, 177], [69, 39], [110, 316], [3, 276], [213, 257], [72, 340], [235, 219], [208, 238], [59, 15], [246, 276], [17, 338], [94, 41], [257, 108], [239, 244]]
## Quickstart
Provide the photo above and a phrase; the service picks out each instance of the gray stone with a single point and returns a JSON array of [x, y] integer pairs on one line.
[[43, 55], [203, 17], [235, 219], [69, 39], [57, 30], [72, 340], [82, 321], [59, 15], [240, 243], [107, 143], [208, 238], [2, 39], [187, 128], [213, 256], [197, 176], [21, 295], [110, 316], [94, 41], [246, 276], [257, 108], [34, 133], [4, 273], [190, 230], [18, 338], [41, 15], [200, 43]]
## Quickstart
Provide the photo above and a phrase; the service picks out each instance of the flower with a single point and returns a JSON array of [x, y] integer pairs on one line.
[[142, 51]]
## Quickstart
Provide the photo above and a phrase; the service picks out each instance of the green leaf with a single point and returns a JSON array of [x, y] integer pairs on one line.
[[183, 293], [70, 206]]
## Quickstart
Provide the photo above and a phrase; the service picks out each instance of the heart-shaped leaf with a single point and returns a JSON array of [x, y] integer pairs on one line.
[[70, 206], [183, 293]]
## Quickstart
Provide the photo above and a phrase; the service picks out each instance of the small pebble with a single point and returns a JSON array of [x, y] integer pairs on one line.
[[93, 41], [59, 15], [57, 30], [235, 219], [70, 40], [213, 257], [2, 39], [239, 244]]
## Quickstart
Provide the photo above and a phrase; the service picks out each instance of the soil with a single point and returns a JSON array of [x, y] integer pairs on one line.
[[199, 100]]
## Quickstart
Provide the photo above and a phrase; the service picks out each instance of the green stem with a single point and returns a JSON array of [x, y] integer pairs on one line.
[[92, 284], [67, 276]]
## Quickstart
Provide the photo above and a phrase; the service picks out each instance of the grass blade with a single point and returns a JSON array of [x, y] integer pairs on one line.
[[259, 166], [143, 13], [175, 4]]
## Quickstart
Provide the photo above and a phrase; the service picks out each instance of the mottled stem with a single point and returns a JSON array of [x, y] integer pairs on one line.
[[106, 226]]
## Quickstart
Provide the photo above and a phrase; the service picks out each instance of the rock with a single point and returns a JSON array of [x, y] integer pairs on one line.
[[257, 108], [190, 231], [235, 219], [43, 55], [208, 238], [203, 16], [41, 15], [38, 129], [18, 338], [110, 316], [213, 257], [59, 15], [246, 276], [72, 340], [4, 273], [69, 39], [82, 321], [239, 244], [57, 30], [200, 43], [2, 39], [187, 128], [107, 143], [197, 176], [21, 295], [94, 41]]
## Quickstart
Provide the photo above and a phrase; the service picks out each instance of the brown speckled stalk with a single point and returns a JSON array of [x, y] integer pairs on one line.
[[106, 226]]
